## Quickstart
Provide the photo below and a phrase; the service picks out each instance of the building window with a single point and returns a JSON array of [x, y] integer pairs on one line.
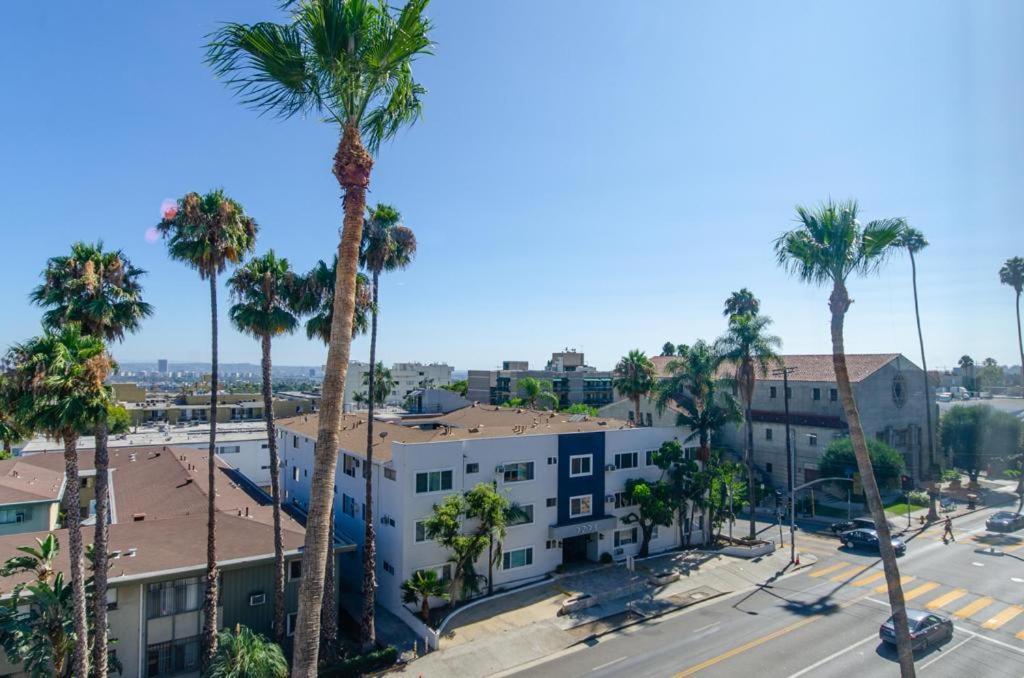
[[348, 505], [626, 460], [390, 473], [622, 500], [388, 567], [517, 558], [290, 623], [625, 537], [173, 597], [525, 517], [173, 657], [517, 472], [768, 433], [812, 439], [349, 465], [420, 531], [112, 598], [773, 392], [230, 449], [580, 506], [650, 421], [472, 468], [295, 473], [551, 544], [768, 467], [581, 465], [295, 441], [433, 481], [552, 502], [11, 516], [649, 457], [833, 394], [816, 393], [654, 533], [295, 569], [552, 461]]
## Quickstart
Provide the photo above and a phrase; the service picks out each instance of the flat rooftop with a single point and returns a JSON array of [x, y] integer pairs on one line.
[[171, 434]]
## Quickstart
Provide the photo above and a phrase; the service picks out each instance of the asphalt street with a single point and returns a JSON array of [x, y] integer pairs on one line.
[[823, 620]]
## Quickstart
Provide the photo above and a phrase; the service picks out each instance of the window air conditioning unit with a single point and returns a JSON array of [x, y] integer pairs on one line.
[[618, 552], [257, 599], [500, 468], [609, 498], [610, 467]]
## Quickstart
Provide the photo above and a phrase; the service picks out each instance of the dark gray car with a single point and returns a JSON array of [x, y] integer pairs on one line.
[[1004, 521], [868, 540], [927, 629]]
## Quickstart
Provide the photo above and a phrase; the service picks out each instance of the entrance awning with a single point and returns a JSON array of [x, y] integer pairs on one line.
[[576, 529]]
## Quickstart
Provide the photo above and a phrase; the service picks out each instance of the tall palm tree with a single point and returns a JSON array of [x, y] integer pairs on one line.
[[1012, 274], [387, 245], [267, 293], [349, 61], [749, 347], [533, 391], [634, 378], [693, 385], [913, 241], [58, 389], [827, 247], [966, 364], [101, 291], [742, 302], [208, 232]]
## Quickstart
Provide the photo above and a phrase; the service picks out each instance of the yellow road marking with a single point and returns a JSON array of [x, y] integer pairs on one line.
[[831, 568], [973, 608], [1003, 617], [919, 591], [1021, 635], [946, 599], [849, 573], [864, 581], [904, 580], [1011, 549]]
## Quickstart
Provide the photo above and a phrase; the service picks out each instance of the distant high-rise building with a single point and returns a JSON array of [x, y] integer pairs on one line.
[[161, 365], [312, 372]]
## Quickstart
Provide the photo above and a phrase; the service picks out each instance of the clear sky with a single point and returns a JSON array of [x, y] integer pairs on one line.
[[590, 174]]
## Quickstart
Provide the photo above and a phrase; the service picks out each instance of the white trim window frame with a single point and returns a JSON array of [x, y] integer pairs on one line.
[[440, 480], [508, 556], [528, 509], [529, 469], [416, 531], [588, 458], [632, 455], [588, 498], [627, 537]]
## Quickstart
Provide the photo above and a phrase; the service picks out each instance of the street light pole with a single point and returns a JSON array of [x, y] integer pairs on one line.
[[790, 462]]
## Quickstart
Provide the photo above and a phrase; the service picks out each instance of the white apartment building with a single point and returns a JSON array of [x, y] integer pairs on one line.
[[567, 472], [408, 378]]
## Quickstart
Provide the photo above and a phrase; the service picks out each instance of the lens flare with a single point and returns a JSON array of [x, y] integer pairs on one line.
[[152, 235], [168, 208]]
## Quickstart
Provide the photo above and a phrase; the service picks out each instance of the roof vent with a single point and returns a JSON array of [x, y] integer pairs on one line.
[[131, 552], [138, 517]]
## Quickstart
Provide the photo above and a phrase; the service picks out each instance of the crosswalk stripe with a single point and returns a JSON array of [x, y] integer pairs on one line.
[[848, 573], [831, 568], [1003, 617], [946, 599], [864, 581], [973, 608], [904, 580], [1021, 635], [918, 591], [1011, 549]]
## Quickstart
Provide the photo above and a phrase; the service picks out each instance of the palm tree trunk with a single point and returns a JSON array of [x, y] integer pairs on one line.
[[367, 630], [750, 466], [275, 493], [839, 303], [329, 609], [352, 165], [80, 658], [636, 404], [209, 639], [7, 449], [933, 504], [490, 564], [99, 600]]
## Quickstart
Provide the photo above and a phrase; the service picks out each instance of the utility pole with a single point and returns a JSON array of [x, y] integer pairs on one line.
[[790, 462]]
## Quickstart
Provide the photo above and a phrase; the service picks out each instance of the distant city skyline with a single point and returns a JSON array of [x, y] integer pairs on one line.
[[606, 188]]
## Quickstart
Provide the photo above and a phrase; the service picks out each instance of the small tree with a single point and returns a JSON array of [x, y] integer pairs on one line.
[[495, 513], [839, 460], [668, 349], [246, 654], [680, 473], [420, 588], [975, 434], [445, 527], [654, 506], [533, 391], [460, 386]]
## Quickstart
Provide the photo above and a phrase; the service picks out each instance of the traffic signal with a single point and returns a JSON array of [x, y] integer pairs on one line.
[[778, 498]]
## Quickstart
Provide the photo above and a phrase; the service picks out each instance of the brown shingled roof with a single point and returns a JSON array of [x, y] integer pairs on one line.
[[22, 482], [809, 367]]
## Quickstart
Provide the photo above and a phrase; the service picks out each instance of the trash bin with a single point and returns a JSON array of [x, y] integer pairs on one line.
[[972, 502]]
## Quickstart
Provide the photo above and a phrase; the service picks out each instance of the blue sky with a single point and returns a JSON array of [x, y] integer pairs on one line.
[[589, 174]]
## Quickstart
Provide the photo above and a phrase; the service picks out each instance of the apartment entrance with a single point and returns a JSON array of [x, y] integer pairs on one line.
[[574, 549]]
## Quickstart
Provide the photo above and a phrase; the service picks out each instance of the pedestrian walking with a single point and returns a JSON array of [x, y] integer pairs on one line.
[[948, 531]]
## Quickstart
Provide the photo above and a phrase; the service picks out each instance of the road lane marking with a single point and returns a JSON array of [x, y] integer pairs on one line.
[[946, 653], [705, 628], [827, 570], [1021, 635], [918, 591], [946, 599], [1003, 617], [864, 581], [904, 580], [834, 655], [849, 573], [607, 664], [971, 609]]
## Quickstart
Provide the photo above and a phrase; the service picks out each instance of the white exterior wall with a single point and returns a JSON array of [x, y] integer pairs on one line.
[[408, 375]]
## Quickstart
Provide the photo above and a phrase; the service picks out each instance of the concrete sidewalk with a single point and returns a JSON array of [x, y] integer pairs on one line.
[[502, 633]]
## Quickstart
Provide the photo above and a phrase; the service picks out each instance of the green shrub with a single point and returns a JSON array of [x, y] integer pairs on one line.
[[918, 497], [361, 664], [606, 558], [838, 460], [949, 475]]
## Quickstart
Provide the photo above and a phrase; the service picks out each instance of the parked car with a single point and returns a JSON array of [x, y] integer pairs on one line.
[[947, 504], [866, 539], [927, 629], [856, 524], [1004, 521]]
